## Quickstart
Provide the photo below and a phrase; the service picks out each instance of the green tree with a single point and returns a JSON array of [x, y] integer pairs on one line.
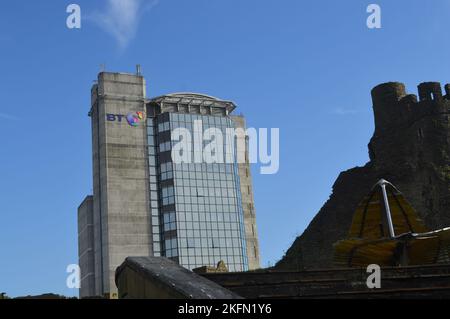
[[3, 295]]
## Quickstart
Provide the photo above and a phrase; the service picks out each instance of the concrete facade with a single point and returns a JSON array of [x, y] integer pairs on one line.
[[86, 246], [121, 217], [248, 204]]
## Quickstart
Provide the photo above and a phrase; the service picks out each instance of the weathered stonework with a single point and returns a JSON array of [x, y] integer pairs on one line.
[[410, 148]]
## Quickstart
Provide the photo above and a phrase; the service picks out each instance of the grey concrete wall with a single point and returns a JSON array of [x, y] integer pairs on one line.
[[86, 247], [98, 260], [122, 222], [248, 205]]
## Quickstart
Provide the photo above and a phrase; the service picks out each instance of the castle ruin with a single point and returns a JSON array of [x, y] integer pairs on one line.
[[410, 147]]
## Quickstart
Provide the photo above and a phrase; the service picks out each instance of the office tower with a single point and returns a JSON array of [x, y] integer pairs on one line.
[[145, 203]]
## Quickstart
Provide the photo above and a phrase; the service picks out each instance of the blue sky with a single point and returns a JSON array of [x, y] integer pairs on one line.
[[306, 67]]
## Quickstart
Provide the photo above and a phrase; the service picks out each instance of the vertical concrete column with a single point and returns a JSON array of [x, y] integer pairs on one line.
[[248, 205]]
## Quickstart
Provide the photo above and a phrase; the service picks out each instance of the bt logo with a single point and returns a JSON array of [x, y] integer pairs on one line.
[[133, 118]]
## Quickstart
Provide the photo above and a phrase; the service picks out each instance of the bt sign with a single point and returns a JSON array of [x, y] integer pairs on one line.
[[133, 119]]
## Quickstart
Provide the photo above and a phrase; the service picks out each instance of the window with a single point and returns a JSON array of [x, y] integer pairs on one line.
[[190, 243], [168, 195], [166, 171], [200, 192], [163, 127], [164, 147], [215, 243], [169, 221]]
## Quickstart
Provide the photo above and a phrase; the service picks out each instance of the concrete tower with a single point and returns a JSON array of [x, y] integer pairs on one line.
[[120, 212]]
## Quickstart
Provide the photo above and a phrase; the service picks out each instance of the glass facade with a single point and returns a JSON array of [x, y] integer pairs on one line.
[[196, 207], [153, 187]]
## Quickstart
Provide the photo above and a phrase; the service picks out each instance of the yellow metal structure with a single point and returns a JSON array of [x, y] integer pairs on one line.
[[387, 231]]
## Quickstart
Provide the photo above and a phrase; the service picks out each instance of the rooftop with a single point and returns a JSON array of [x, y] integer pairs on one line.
[[198, 99]]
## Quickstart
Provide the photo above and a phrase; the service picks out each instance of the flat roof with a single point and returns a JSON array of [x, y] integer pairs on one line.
[[194, 99]]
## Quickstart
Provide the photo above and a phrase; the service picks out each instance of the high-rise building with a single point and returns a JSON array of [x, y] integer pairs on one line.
[[196, 212]]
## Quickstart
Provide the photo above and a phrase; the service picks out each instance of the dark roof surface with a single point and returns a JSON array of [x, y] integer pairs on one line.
[[168, 273]]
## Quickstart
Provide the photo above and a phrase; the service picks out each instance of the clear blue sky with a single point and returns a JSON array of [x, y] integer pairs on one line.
[[306, 67]]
